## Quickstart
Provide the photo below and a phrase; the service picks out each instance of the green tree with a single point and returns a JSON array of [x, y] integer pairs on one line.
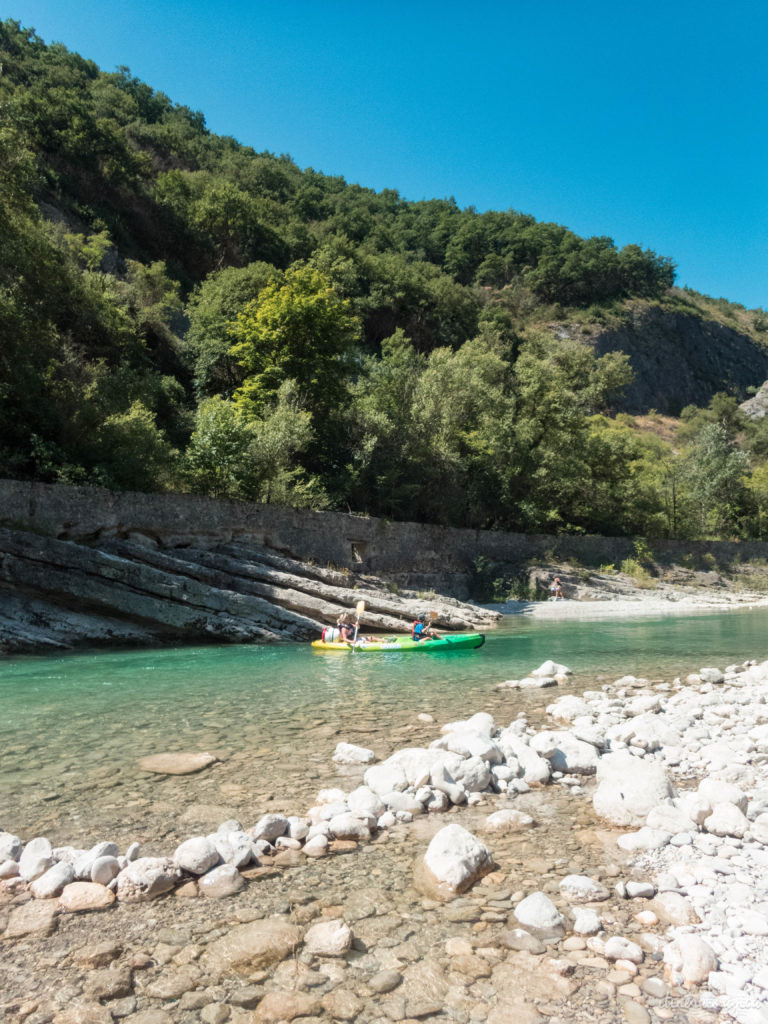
[[714, 471], [298, 330]]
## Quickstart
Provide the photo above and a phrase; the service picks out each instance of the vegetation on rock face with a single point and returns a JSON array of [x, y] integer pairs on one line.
[[180, 312]]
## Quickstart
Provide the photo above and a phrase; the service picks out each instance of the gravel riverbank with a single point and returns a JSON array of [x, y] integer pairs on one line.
[[601, 860]]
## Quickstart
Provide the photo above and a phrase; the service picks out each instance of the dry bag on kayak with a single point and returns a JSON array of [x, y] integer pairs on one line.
[[331, 635]]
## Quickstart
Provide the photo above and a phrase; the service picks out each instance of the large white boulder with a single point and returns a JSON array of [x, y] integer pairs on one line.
[[726, 820], [628, 787], [146, 878], [453, 862], [328, 938], [565, 753], [269, 827], [52, 882], [715, 791], [10, 846], [470, 744], [196, 855], [538, 914], [481, 722], [473, 774], [536, 769], [35, 859], [688, 960], [364, 801], [348, 753]]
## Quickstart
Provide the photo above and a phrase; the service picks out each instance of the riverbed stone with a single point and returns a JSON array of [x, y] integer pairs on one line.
[[10, 846], [104, 869], [52, 882], [38, 917], [196, 855], [78, 897], [727, 820], [673, 908], [279, 1006], [146, 878], [220, 882], [348, 753], [582, 889], [177, 763], [628, 787], [328, 938], [269, 827], [363, 801], [453, 862], [508, 820], [249, 947], [688, 960], [36, 858], [566, 753], [538, 914]]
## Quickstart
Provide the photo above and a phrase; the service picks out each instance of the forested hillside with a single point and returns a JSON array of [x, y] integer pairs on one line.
[[180, 312]]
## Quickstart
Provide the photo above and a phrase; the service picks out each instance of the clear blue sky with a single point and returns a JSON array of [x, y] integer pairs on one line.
[[646, 121]]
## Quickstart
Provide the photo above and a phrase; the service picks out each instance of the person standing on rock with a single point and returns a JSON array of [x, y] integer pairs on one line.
[[556, 589]]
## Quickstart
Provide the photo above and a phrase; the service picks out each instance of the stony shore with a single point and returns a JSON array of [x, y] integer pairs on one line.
[[609, 866]]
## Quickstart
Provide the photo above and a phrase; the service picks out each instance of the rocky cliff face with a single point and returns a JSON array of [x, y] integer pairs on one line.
[[680, 359], [58, 594]]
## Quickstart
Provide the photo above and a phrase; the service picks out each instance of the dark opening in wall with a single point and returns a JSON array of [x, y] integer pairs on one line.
[[359, 548]]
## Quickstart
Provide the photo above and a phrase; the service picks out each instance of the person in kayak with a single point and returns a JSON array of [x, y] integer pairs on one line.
[[421, 629]]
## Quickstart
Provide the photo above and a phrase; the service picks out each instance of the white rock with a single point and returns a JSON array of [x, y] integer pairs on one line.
[[441, 779], [328, 938], [224, 880], [641, 890], [348, 753], [473, 774], [536, 769], [565, 753], [727, 820], [456, 858], [582, 889], [711, 675], [146, 878], [568, 708], [628, 788], [298, 828], [753, 922], [84, 862], [670, 818], [132, 853], [551, 668], [386, 820], [470, 744], [405, 803], [350, 826], [104, 869], [689, 960], [586, 922], [317, 846], [508, 821], [644, 839], [52, 882], [715, 791], [196, 855], [759, 829], [364, 801], [10, 846], [538, 914], [9, 869], [270, 826], [385, 778], [619, 948], [481, 722], [36, 859]]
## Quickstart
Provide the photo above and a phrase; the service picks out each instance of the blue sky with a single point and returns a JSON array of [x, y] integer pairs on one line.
[[644, 122]]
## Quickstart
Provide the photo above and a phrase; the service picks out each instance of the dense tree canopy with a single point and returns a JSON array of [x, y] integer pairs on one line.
[[180, 311]]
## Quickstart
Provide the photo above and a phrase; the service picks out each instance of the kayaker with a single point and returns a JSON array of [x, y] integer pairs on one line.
[[421, 629]]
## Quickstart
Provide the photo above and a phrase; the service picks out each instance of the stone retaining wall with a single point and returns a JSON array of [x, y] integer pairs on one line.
[[88, 514]]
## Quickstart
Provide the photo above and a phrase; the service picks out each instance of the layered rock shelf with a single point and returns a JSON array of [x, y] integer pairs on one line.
[[56, 594]]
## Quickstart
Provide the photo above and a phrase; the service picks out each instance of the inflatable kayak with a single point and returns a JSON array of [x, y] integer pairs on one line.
[[452, 642]]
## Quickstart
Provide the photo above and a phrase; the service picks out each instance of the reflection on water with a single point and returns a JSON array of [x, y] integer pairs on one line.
[[72, 727]]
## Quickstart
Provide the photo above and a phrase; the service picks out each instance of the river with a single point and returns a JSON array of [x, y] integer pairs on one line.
[[73, 726]]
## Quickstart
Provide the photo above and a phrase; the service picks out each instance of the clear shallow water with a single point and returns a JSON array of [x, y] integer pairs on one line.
[[73, 727]]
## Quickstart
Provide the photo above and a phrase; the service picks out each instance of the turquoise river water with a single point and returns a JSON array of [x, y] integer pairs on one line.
[[73, 726]]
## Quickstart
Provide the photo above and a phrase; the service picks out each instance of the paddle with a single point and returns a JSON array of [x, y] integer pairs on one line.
[[359, 608]]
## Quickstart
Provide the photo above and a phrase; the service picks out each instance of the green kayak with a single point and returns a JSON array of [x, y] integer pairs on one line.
[[451, 642]]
